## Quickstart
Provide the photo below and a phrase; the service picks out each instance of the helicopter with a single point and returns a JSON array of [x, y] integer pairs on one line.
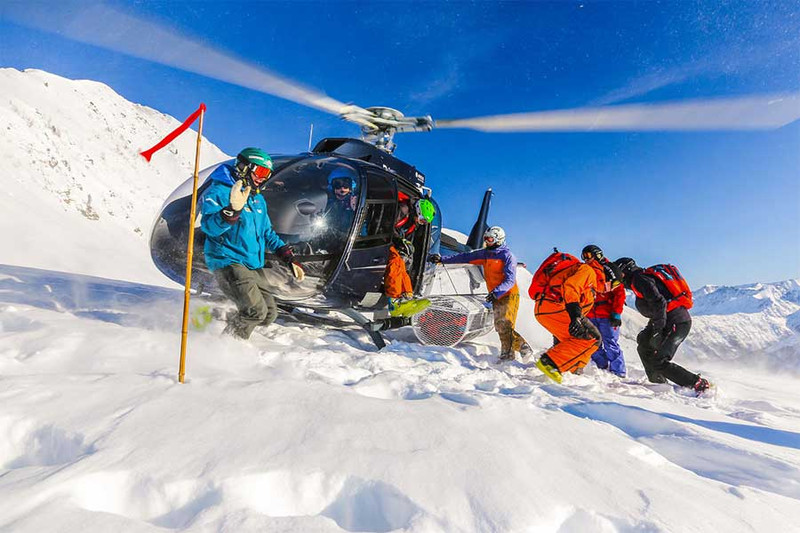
[[344, 265], [343, 260]]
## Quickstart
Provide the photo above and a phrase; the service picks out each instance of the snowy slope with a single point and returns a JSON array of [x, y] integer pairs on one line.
[[758, 324], [73, 178], [307, 428]]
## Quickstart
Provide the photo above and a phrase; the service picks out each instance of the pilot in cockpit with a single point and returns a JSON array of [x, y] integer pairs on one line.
[[342, 200]]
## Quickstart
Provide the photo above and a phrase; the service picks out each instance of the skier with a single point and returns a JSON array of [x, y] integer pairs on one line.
[[563, 289], [500, 271], [398, 288], [410, 216], [238, 234], [663, 296], [607, 311]]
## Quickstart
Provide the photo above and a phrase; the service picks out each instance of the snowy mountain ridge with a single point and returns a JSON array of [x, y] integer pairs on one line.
[[758, 322], [73, 173]]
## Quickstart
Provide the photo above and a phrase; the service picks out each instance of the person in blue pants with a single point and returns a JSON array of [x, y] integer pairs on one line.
[[607, 311]]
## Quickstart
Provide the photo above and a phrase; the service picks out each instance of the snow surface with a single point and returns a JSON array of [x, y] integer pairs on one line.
[[309, 428]]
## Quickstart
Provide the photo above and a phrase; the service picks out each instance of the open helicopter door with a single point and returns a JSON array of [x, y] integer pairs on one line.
[[364, 265]]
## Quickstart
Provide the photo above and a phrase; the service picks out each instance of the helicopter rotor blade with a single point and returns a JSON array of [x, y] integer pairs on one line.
[[746, 113], [105, 27]]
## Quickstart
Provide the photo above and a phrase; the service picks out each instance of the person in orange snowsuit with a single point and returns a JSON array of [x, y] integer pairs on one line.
[[563, 296], [396, 281]]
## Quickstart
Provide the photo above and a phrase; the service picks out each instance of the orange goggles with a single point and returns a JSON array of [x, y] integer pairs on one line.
[[261, 172], [488, 240]]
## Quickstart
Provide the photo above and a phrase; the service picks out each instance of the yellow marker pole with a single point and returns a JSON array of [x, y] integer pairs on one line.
[[190, 252]]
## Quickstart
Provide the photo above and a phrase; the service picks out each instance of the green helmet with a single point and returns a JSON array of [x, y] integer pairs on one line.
[[249, 159], [425, 210]]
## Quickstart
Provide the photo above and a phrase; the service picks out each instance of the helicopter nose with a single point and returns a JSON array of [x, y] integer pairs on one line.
[[306, 208]]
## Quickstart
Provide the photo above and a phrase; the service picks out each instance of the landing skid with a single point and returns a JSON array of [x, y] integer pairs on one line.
[[326, 318]]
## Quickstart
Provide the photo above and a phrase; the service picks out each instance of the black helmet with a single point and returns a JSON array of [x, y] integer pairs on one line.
[[613, 274], [592, 251], [625, 265]]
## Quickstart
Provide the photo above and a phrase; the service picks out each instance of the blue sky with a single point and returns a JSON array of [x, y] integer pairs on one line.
[[725, 207]]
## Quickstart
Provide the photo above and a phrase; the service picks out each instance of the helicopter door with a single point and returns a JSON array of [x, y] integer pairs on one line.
[[366, 263]]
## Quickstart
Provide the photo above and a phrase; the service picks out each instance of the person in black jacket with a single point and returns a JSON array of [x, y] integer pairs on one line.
[[666, 330]]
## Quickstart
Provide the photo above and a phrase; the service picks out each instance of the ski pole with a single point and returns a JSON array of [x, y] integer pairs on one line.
[[448, 277]]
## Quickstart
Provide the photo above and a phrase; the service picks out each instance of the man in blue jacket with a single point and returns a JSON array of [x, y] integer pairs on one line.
[[238, 234]]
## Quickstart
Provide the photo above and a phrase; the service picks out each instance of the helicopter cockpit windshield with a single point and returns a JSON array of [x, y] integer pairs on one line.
[[312, 204]]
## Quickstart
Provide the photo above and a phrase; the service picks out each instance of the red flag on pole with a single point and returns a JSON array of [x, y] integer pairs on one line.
[[147, 154]]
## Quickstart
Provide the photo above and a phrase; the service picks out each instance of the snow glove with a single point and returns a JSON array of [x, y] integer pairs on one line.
[[435, 259], [238, 199], [615, 320], [285, 253], [491, 298], [579, 326], [576, 327]]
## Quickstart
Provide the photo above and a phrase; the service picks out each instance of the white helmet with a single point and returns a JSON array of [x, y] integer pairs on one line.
[[494, 236]]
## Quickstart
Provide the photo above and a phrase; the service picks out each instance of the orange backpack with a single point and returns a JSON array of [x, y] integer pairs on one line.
[[676, 285], [555, 263]]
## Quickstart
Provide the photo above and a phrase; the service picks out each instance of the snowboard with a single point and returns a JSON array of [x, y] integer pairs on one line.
[[410, 308]]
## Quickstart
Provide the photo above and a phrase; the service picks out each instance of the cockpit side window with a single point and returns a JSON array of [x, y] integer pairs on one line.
[[377, 223]]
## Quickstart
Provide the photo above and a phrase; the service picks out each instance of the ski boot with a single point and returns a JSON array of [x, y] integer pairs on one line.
[[505, 356], [549, 368]]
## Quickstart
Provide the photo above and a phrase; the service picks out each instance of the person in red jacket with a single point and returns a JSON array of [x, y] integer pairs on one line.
[[607, 311]]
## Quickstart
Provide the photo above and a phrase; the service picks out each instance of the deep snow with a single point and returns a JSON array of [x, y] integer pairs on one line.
[[309, 428]]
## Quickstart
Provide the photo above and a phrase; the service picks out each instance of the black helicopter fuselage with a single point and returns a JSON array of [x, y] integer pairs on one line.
[[342, 251]]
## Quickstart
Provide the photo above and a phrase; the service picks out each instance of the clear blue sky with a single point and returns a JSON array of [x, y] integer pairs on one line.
[[725, 207]]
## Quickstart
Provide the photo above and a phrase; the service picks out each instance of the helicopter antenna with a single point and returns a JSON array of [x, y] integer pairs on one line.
[[310, 134]]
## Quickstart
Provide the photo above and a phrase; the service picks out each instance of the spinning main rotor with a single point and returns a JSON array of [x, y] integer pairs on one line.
[[109, 28]]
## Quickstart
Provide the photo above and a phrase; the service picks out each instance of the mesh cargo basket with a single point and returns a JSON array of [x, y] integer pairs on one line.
[[452, 319]]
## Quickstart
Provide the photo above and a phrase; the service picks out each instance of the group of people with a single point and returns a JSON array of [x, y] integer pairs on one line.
[[579, 301]]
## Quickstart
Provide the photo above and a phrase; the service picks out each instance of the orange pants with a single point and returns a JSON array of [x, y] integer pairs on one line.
[[569, 353]]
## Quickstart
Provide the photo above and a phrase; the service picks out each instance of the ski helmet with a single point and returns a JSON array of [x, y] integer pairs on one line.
[[592, 251], [612, 273], [425, 211], [625, 265], [494, 236], [253, 161]]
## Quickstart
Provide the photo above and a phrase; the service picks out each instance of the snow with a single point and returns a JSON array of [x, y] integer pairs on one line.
[[309, 428]]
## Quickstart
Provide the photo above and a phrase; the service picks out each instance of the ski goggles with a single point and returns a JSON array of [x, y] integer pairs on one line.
[[261, 173], [341, 184], [489, 240]]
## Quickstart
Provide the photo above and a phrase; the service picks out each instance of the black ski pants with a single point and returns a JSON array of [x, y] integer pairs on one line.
[[657, 361], [248, 289]]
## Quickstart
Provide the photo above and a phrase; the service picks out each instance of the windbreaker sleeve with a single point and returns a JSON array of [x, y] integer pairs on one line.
[[617, 299], [214, 199], [509, 274], [466, 257], [272, 239], [578, 287], [650, 293]]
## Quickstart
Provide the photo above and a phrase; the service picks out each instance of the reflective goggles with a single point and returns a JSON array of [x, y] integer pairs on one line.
[[341, 184], [488, 240], [261, 173]]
